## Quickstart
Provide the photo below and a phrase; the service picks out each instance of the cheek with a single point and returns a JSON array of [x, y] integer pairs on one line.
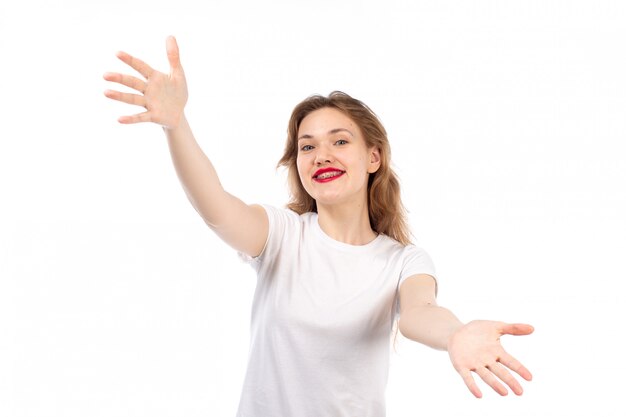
[[300, 164], [359, 161]]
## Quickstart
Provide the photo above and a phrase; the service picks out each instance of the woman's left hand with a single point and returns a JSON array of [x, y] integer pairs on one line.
[[476, 347]]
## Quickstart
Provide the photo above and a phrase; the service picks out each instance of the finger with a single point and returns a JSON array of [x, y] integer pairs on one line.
[[487, 376], [135, 118], [517, 329], [504, 375], [127, 80], [471, 384], [136, 63], [516, 366], [136, 99], [173, 54]]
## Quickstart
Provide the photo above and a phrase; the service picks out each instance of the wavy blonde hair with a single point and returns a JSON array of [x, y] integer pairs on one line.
[[386, 211]]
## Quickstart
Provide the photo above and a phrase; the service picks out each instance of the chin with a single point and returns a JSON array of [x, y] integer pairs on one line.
[[328, 200]]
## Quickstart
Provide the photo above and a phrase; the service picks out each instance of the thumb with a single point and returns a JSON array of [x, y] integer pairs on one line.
[[173, 56], [517, 329]]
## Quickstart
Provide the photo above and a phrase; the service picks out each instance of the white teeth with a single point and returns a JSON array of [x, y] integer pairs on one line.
[[329, 174]]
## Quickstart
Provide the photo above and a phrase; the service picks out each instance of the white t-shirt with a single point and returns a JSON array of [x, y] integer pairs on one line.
[[321, 322]]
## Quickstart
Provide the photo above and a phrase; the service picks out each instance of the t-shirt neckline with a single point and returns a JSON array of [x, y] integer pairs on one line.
[[341, 245]]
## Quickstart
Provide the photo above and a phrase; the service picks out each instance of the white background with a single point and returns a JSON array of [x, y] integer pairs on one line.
[[507, 125]]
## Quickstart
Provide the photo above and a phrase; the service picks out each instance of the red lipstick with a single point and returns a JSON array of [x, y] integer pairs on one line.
[[327, 174]]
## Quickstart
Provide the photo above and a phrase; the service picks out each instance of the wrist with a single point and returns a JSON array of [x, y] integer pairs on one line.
[[176, 124], [454, 330]]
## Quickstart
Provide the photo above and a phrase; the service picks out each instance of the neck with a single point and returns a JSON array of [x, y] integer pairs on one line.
[[347, 224]]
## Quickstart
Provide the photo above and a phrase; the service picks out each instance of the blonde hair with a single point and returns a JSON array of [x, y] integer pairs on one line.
[[386, 211]]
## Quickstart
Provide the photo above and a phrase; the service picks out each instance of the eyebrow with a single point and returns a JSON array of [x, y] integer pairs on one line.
[[330, 132]]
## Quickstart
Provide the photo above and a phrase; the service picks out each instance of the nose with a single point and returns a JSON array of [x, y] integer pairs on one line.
[[321, 161], [323, 156]]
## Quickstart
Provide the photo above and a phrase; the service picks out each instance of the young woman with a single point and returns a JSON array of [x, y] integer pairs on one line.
[[334, 270]]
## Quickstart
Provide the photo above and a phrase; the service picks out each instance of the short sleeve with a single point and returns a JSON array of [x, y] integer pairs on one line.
[[279, 221], [417, 261]]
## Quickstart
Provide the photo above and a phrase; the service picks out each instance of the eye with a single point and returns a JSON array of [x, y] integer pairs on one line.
[[341, 142], [306, 148]]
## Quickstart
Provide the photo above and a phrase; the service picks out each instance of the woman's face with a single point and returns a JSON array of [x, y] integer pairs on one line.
[[333, 159]]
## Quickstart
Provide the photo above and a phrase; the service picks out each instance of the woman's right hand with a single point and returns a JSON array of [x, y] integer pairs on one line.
[[162, 95]]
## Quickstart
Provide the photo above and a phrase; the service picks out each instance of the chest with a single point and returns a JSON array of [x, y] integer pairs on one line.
[[330, 294]]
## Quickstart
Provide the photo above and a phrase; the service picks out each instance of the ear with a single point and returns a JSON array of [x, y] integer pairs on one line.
[[374, 164]]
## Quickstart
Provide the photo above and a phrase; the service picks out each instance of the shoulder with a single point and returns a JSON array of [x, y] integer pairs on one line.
[[281, 216], [279, 211], [285, 223], [283, 228], [413, 251], [403, 251], [416, 261]]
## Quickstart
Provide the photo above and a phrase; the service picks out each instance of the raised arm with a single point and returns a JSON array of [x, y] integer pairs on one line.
[[242, 226]]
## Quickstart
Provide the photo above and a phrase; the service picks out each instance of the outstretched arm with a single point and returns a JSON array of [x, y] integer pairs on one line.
[[243, 226], [472, 347]]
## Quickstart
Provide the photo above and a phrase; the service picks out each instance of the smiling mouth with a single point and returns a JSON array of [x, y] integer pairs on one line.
[[328, 176]]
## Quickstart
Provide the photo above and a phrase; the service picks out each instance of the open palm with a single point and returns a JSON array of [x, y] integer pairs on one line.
[[476, 347], [162, 95]]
